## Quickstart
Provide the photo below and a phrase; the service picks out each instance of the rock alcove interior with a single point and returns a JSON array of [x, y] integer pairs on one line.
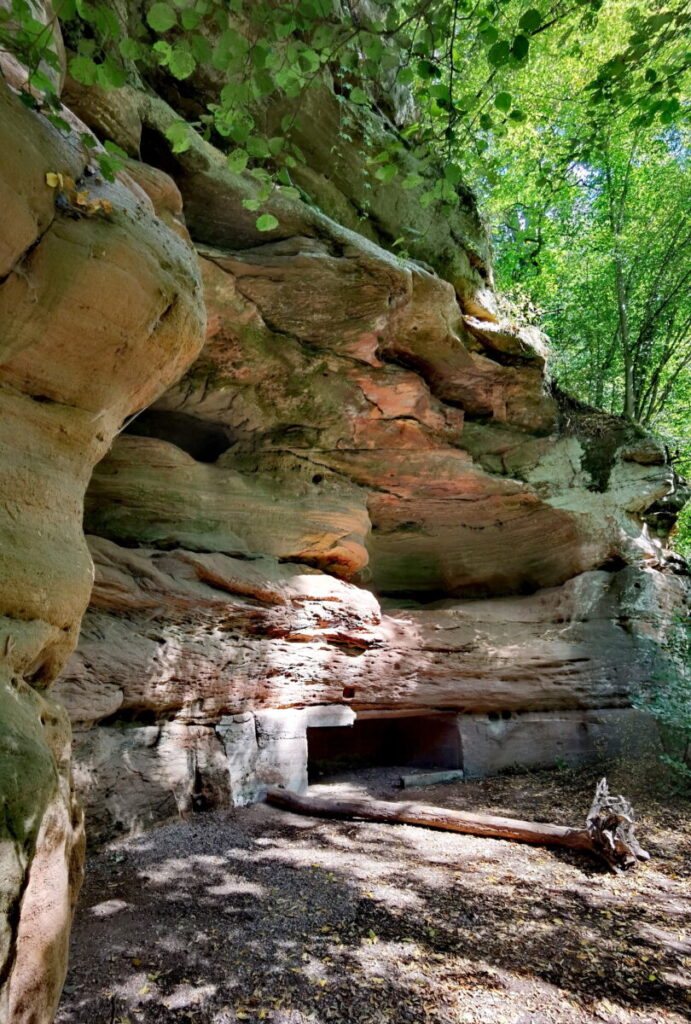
[[414, 741], [349, 493]]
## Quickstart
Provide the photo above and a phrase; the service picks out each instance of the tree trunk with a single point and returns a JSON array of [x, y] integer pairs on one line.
[[608, 833]]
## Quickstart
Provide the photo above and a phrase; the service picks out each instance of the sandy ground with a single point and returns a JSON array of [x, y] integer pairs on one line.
[[261, 915]]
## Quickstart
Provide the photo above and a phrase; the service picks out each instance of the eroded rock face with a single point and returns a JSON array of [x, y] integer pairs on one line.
[[356, 425], [363, 500], [255, 635], [98, 316], [447, 475]]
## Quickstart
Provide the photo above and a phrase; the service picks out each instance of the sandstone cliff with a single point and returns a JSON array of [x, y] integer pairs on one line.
[[99, 315], [362, 500]]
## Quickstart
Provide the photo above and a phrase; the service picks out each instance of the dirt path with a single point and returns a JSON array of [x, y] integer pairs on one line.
[[262, 915]]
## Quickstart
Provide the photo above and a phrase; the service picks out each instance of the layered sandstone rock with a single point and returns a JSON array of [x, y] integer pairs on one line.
[[358, 431], [98, 315], [363, 501], [255, 635]]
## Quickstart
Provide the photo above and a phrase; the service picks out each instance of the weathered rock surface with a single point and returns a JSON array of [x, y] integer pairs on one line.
[[356, 424], [300, 392], [362, 501], [257, 635], [98, 316]]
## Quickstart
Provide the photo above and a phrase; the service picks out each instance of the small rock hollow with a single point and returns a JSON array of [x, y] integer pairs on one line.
[[416, 741]]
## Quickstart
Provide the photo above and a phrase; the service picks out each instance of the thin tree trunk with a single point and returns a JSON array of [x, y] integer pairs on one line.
[[624, 334]]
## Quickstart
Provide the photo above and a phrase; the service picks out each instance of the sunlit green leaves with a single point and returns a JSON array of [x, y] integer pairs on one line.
[[181, 62], [237, 160], [386, 173], [83, 70], [161, 17], [468, 107], [179, 136], [267, 222]]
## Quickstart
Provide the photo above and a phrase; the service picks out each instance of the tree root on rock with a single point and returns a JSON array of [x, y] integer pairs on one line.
[[609, 831]]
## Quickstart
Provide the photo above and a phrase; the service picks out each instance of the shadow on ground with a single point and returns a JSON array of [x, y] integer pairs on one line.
[[261, 915]]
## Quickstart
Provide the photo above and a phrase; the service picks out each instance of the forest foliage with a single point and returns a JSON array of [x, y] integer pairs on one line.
[[568, 118]]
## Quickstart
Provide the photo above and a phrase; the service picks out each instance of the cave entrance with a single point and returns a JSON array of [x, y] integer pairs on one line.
[[419, 740]]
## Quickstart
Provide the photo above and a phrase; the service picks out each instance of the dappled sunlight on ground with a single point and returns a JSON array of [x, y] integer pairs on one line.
[[263, 915]]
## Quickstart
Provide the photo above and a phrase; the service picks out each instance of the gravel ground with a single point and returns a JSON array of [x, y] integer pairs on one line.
[[258, 914]]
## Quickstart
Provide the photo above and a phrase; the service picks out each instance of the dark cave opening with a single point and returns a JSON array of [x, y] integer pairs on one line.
[[202, 439], [413, 741]]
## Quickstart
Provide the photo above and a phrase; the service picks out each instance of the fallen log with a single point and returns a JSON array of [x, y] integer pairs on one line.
[[608, 832]]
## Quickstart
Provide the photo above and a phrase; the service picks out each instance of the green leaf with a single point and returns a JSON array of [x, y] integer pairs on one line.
[[237, 160], [257, 147], [130, 49], [108, 165], [489, 35], [190, 19], [59, 122], [40, 81], [284, 28], [440, 91], [115, 150], [530, 20], [520, 47], [373, 48], [426, 69], [359, 96], [181, 63], [267, 222], [251, 204], [499, 53], [405, 76], [452, 173], [83, 70], [161, 17], [201, 49], [502, 101], [178, 134], [163, 50], [412, 181], [110, 75], [386, 173]]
